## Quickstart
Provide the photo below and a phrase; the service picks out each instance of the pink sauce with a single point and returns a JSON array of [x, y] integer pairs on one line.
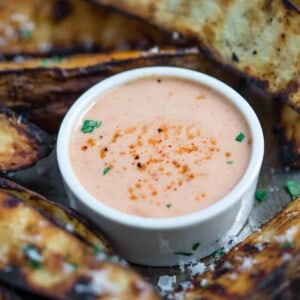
[[166, 147]]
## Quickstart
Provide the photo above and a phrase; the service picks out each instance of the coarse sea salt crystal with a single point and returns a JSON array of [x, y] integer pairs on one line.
[[69, 227], [67, 268], [186, 285], [227, 265], [204, 282], [175, 35], [232, 276], [99, 284], [34, 255], [259, 246], [288, 236], [166, 283], [198, 268], [247, 263], [181, 266], [286, 256]]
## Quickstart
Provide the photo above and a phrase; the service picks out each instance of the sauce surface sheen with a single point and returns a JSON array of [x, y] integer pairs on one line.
[[162, 147]]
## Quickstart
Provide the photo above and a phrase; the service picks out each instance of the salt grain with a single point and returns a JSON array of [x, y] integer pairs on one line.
[[288, 236], [166, 283]]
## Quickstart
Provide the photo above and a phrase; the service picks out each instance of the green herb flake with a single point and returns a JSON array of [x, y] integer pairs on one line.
[[261, 194], [29, 250], [169, 205], [229, 162], [89, 126], [106, 170], [293, 188], [25, 34], [287, 245], [74, 265], [97, 250], [34, 264], [183, 253], [219, 253], [240, 137], [196, 246], [51, 61]]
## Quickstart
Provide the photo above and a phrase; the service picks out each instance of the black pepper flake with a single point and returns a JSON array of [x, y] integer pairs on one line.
[[139, 165], [234, 57], [158, 80], [105, 149], [159, 130], [136, 157]]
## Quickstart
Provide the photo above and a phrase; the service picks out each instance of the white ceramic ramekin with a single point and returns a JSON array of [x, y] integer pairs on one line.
[[164, 241]]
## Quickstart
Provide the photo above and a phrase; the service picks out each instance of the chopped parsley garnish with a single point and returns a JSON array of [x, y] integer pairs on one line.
[[219, 253], [97, 250], [293, 188], [34, 264], [261, 194], [229, 162], [25, 34], [51, 61], [186, 253], [74, 265], [168, 205], [33, 255], [196, 246], [183, 253], [240, 137], [287, 245], [90, 125], [106, 170]]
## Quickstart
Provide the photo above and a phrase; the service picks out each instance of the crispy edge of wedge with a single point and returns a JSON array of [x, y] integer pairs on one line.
[[67, 218], [46, 92], [22, 143], [263, 266], [289, 134], [258, 39], [69, 26], [42, 258]]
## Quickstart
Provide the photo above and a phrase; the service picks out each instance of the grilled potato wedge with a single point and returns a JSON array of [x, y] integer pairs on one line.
[[65, 217], [22, 144], [39, 256], [47, 87], [264, 266], [6, 294], [289, 137], [38, 27], [260, 39]]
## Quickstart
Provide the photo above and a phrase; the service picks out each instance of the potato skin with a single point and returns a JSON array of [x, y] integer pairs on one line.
[[260, 39], [263, 266], [22, 143], [45, 257], [44, 89], [40, 28]]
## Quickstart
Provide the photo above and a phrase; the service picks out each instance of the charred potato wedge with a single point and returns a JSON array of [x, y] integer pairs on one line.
[[6, 294], [264, 266], [66, 218], [38, 27], [289, 137], [39, 256], [260, 39], [22, 144], [47, 87]]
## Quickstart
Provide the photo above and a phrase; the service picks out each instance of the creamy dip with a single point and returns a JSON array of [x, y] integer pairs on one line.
[[160, 147]]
